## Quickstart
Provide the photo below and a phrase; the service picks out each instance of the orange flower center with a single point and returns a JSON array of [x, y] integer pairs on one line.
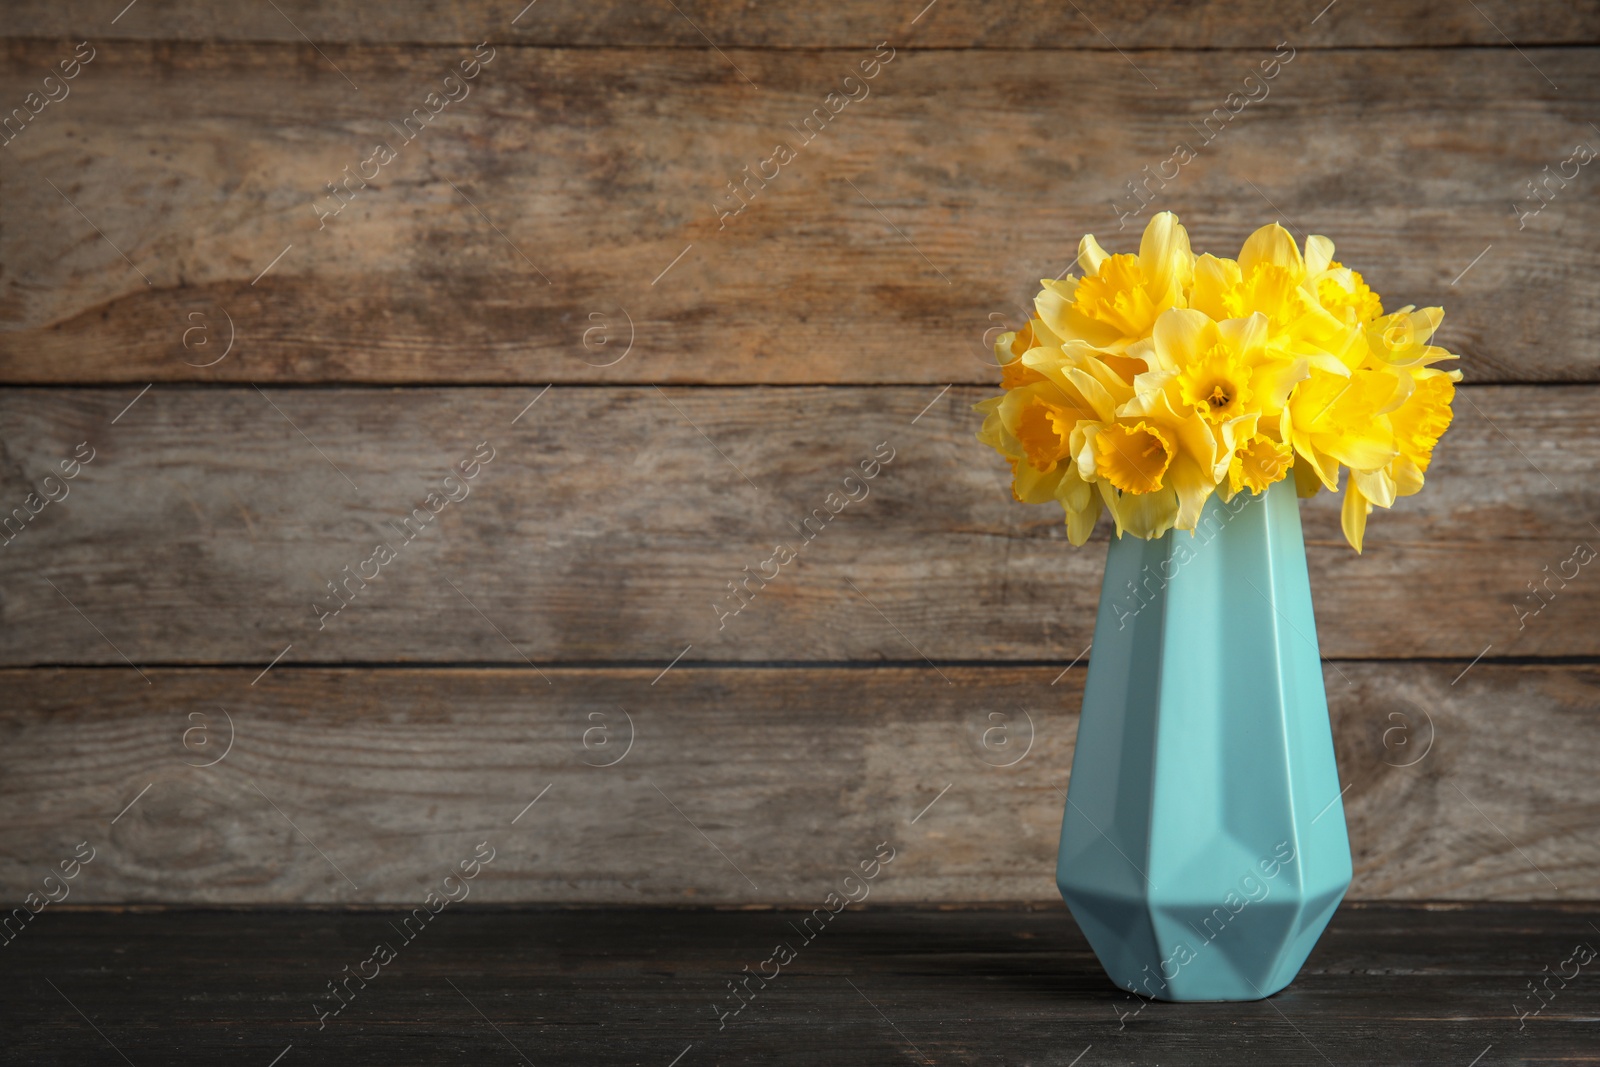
[[1216, 384], [1044, 431], [1362, 302], [1115, 297], [1258, 463], [1133, 458]]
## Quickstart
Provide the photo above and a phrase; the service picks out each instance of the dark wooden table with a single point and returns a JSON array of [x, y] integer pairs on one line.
[[1387, 985]]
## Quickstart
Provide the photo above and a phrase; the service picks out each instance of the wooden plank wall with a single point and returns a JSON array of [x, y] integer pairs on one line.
[[260, 379]]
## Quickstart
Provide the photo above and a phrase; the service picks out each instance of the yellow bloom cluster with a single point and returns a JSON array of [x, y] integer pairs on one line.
[[1157, 379]]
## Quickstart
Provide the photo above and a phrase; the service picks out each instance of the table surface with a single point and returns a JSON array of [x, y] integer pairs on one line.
[[1388, 984]]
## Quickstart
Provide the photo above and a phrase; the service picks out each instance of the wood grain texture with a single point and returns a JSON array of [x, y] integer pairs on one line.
[[741, 786], [559, 224], [612, 521], [1008, 24], [586, 183], [1427, 987]]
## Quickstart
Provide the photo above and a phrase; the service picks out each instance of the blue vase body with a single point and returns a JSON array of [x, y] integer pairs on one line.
[[1203, 848]]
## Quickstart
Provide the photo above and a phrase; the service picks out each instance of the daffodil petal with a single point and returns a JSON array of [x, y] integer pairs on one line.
[[1377, 486], [1271, 244], [1273, 381], [1196, 440], [1214, 280], [1194, 485], [1319, 253], [1180, 334], [1031, 486], [1144, 515], [1359, 452], [1166, 259], [1307, 482], [1246, 336], [1353, 516], [1054, 298], [1407, 477], [1426, 323], [1082, 505], [1090, 255], [1098, 396]]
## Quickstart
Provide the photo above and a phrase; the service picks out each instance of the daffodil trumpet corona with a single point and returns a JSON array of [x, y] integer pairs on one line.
[[1154, 380]]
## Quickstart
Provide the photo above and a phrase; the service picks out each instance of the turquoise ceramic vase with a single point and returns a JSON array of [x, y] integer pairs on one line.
[[1203, 848]]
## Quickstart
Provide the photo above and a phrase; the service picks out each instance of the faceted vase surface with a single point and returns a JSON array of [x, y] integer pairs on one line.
[[1203, 847]]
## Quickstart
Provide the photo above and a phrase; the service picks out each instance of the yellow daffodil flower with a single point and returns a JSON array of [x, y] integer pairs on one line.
[[1157, 379], [1256, 463], [1116, 301], [1035, 426]]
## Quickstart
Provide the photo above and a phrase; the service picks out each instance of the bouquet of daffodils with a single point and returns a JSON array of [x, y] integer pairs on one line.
[[1157, 379]]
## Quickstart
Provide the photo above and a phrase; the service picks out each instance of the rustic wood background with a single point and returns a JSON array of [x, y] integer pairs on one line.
[[695, 391]]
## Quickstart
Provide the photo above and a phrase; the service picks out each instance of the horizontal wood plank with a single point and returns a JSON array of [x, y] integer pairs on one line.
[[561, 222], [1429, 986], [729, 786], [612, 524], [1008, 24]]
